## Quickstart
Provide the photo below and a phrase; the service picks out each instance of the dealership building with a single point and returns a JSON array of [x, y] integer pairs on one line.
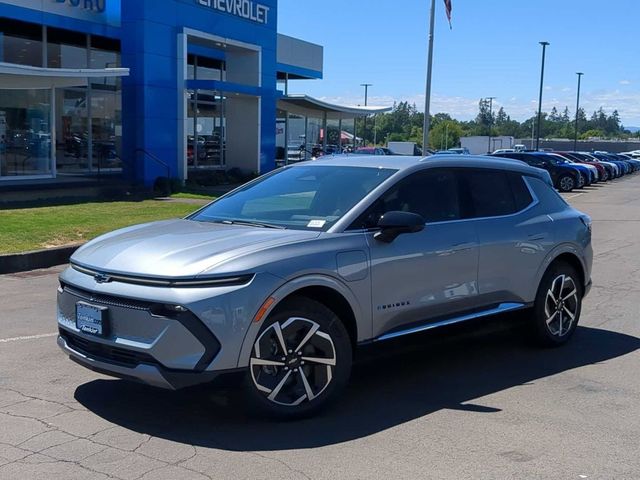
[[143, 89]]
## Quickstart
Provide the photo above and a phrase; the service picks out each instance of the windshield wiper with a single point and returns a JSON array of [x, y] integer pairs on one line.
[[249, 223]]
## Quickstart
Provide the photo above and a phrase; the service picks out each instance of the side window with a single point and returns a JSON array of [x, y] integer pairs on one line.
[[490, 193], [431, 193], [521, 194], [533, 161]]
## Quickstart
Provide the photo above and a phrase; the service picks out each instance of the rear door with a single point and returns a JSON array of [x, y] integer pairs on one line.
[[513, 234]]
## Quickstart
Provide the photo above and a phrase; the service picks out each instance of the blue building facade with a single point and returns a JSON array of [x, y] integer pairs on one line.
[[149, 88]]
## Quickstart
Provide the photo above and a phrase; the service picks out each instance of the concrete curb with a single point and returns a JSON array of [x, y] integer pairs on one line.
[[25, 261]]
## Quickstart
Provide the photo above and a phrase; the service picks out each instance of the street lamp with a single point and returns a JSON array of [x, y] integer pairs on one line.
[[491, 99], [366, 92], [366, 102], [575, 141], [544, 51]]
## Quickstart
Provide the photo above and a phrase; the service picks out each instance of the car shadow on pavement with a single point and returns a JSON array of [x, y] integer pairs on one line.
[[398, 382]]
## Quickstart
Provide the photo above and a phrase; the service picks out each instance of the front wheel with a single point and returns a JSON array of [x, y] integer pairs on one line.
[[566, 183], [300, 360], [558, 305]]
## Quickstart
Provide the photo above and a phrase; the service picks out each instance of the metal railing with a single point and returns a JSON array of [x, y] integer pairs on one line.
[[157, 160]]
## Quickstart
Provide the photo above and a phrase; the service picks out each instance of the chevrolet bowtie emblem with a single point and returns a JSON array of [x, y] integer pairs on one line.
[[102, 278]]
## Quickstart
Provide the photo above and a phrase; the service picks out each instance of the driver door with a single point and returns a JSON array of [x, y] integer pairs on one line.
[[422, 276]]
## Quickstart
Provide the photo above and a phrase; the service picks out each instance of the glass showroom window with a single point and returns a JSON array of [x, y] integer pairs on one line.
[[313, 142], [66, 49], [20, 42], [106, 106], [206, 130], [25, 148], [72, 130], [295, 138], [203, 68]]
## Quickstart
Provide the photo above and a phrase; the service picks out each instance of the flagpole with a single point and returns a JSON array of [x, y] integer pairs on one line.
[[427, 100]]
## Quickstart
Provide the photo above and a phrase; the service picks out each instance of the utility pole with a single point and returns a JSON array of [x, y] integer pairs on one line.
[[544, 51], [575, 141]]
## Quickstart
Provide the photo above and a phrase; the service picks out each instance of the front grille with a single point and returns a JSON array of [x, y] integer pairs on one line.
[[106, 353], [108, 299]]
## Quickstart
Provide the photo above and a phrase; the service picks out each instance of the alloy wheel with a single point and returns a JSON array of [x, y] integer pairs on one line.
[[293, 362], [566, 184], [561, 305]]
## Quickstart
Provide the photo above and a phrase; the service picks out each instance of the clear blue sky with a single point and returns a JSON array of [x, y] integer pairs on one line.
[[492, 51]]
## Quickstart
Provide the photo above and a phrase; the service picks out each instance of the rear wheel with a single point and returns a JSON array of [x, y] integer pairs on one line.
[[566, 183], [300, 361], [581, 180], [558, 305]]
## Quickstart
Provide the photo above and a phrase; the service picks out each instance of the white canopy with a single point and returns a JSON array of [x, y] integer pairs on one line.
[[14, 76]]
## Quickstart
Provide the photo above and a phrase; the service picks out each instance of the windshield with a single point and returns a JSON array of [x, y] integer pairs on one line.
[[301, 198]]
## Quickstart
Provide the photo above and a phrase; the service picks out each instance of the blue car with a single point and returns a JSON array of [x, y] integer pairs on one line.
[[624, 167], [588, 176], [565, 177]]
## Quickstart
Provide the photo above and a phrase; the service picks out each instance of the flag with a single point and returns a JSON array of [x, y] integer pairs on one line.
[[448, 7]]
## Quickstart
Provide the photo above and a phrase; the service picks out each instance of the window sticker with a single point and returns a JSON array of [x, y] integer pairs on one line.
[[317, 223]]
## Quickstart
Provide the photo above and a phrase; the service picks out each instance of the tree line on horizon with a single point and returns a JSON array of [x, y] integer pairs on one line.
[[404, 123]]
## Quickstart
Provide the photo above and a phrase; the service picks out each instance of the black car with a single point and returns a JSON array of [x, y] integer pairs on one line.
[[565, 178]]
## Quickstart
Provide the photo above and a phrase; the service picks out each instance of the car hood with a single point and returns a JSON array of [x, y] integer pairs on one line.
[[179, 248]]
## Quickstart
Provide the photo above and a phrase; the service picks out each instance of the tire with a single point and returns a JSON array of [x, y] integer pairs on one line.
[[581, 181], [605, 176], [566, 183], [551, 321], [308, 371]]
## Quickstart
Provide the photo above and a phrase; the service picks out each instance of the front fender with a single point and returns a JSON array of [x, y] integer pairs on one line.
[[294, 285]]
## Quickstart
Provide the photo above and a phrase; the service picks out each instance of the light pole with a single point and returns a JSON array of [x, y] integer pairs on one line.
[[575, 141], [427, 98], [491, 99], [544, 51], [366, 102]]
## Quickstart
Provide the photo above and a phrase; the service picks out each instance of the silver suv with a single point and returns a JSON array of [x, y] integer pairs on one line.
[[284, 277]]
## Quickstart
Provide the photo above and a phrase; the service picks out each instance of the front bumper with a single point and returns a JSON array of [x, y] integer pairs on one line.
[[139, 343]]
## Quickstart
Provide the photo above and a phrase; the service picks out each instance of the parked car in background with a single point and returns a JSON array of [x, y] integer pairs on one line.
[[280, 280], [565, 178], [460, 150], [372, 151], [505, 150], [623, 167], [589, 172], [603, 175], [612, 168], [603, 172], [631, 160]]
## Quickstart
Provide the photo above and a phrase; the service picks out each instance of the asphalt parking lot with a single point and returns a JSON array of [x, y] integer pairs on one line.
[[484, 406]]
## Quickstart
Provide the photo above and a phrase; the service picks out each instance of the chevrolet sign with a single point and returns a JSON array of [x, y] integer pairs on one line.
[[246, 9]]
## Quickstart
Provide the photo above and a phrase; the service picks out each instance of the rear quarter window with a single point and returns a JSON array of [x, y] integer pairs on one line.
[[546, 194], [521, 194]]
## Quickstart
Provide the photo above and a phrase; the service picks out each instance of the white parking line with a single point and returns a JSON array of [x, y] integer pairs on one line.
[[576, 195], [29, 337]]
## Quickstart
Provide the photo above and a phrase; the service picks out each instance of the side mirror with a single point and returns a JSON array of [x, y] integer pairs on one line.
[[393, 224]]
